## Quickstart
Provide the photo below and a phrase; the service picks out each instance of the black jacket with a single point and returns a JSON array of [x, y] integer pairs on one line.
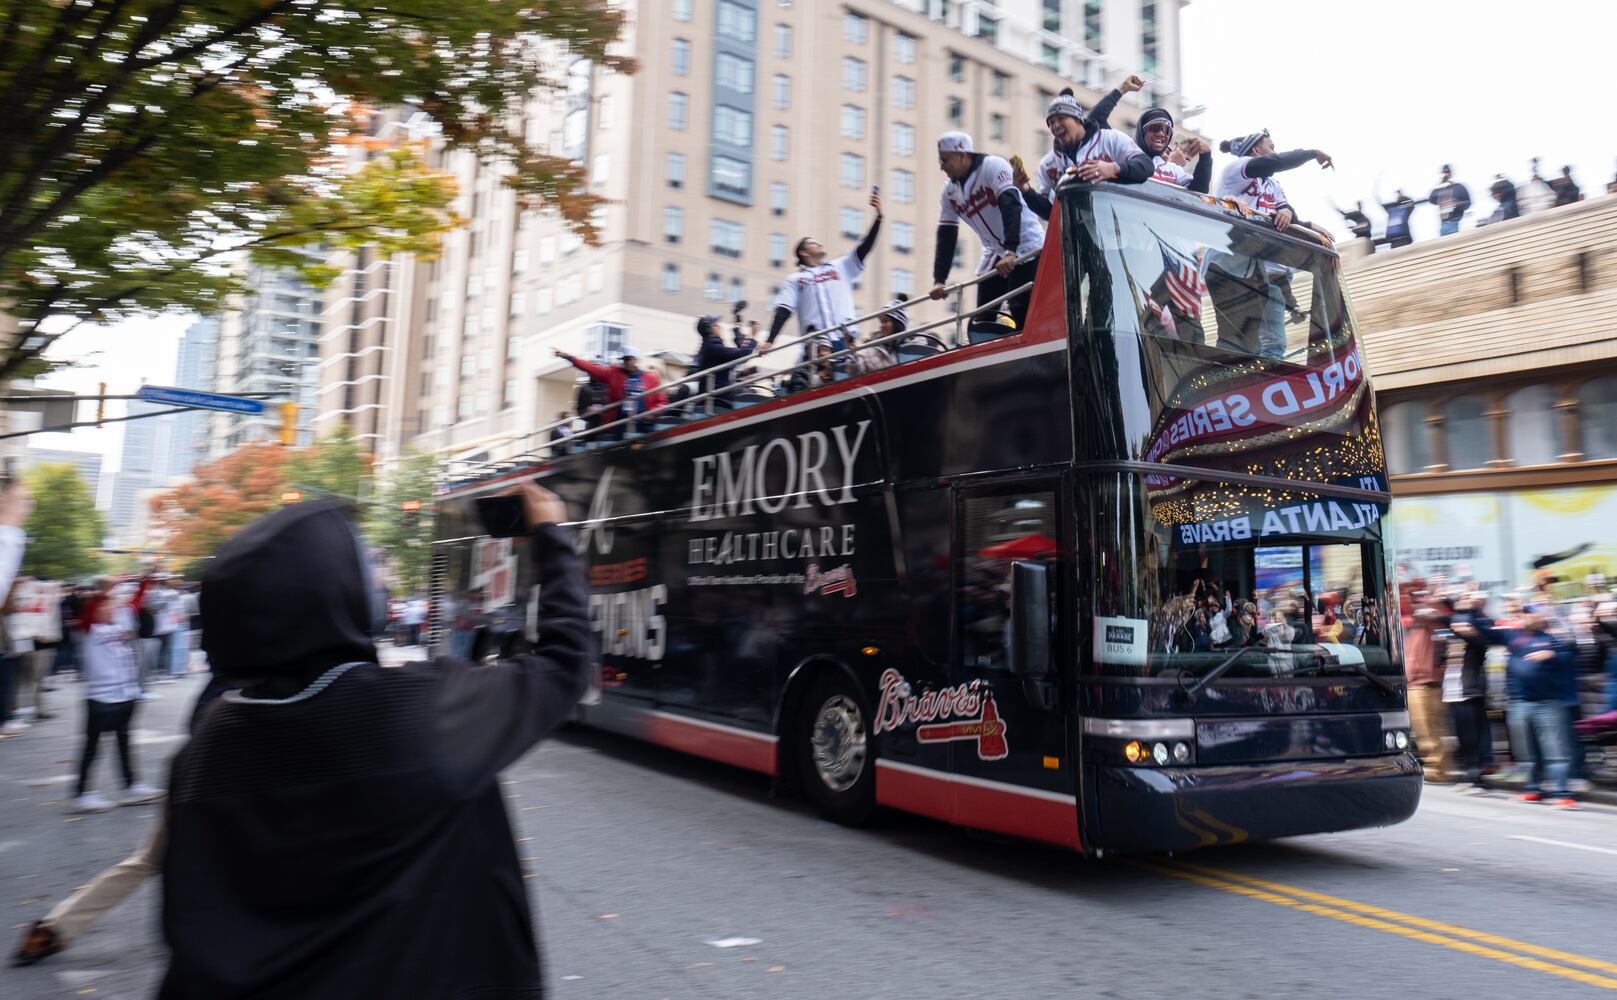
[[1474, 661], [715, 352], [353, 842]]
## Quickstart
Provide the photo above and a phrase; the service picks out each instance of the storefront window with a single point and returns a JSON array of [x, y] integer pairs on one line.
[[1597, 414], [1532, 425], [1465, 430]]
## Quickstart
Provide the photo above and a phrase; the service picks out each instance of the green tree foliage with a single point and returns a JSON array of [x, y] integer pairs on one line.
[[334, 464], [144, 139], [405, 536], [65, 529]]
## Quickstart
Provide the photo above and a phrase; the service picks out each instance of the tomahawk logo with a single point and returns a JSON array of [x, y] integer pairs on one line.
[[988, 730], [595, 525]]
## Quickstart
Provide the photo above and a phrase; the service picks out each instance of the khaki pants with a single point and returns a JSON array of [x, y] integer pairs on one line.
[[1429, 718], [74, 915], [33, 668]]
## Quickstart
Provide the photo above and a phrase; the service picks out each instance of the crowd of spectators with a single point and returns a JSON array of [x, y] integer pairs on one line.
[[1453, 203]]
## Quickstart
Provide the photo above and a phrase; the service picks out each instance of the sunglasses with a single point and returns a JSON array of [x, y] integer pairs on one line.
[[1159, 127]]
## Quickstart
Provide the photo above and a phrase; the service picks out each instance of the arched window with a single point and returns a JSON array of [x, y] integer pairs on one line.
[[1533, 440], [1597, 415], [1403, 431], [1465, 431]]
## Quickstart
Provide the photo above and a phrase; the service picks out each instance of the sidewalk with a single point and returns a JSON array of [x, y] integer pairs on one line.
[[46, 852]]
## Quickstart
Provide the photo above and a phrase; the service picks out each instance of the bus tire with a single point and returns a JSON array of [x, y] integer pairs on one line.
[[834, 750]]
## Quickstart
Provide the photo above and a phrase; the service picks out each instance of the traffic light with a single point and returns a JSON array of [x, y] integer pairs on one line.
[[289, 423], [101, 405]]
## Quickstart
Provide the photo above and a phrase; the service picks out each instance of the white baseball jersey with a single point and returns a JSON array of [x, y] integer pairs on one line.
[[1261, 193], [1106, 145], [975, 201], [1170, 173], [821, 296]]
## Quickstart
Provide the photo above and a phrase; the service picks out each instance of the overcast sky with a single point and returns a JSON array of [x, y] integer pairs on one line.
[[1390, 88], [1393, 89]]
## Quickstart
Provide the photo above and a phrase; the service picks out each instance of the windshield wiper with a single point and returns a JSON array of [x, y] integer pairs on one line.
[[1214, 674], [1363, 670]]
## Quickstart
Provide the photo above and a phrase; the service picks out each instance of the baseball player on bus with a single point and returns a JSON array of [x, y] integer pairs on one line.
[[820, 291], [1083, 143], [981, 192]]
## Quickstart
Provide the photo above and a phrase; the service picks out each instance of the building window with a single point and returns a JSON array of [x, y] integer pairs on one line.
[[957, 68], [777, 198], [519, 304], [600, 168], [903, 139], [508, 394], [903, 237], [903, 93], [1052, 16], [682, 57], [779, 142], [606, 341], [1533, 437], [853, 122], [853, 74], [670, 279], [594, 278], [542, 299], [674, 169], [903, 48], [732, 176], [855, 28], [547, 249], [732, 126], [1092, 24], [1403, 432], [997, 86], [727, 237], [1050, 56], [673, 224], [679, 111], [996, 127], [737, 290], [783, 41], [903, 186], [1466, 432], [777, 249], [1597, 417], [851, 170], [782, 92], [737, 22], [852, 223], [955, 110], [713, 289], [734, 72], [903, 283], [682, 10], [1148, 37], [519, 260], [987, 26]]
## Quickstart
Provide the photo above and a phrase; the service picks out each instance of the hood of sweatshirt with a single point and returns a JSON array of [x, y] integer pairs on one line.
[[289, 595]]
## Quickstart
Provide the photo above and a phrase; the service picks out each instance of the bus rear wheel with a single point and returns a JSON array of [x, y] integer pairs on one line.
[[835, 754]]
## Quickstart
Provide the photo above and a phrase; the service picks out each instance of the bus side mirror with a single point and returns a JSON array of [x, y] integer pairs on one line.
[[1030, 620]]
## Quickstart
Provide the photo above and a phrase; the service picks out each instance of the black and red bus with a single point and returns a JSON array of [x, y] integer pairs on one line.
[[1118, 580]]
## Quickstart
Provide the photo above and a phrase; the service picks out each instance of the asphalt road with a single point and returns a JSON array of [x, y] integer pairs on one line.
[[656, 875]]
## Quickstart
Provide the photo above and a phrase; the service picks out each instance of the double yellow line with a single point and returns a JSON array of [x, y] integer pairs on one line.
[[1522, 954]]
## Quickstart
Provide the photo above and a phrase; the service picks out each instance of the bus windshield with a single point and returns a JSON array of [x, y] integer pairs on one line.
[[1206, 569], [1241, 288]]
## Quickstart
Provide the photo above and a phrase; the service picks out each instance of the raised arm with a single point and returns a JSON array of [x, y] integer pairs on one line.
[[486, 717], [1270, 164], [590, 368], [869, 242]]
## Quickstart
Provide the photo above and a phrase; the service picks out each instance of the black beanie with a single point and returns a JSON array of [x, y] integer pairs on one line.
[[1150, 115]]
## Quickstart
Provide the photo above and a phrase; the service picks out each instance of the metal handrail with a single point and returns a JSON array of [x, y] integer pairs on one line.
[[958, 320]]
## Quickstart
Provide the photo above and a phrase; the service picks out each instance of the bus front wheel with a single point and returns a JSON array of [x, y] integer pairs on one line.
[[836, 758]]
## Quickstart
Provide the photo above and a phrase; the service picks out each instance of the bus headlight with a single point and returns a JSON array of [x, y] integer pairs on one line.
[[1181, 753], [1402, 739], [1134, 750], [1159, 753], [1390, 740]]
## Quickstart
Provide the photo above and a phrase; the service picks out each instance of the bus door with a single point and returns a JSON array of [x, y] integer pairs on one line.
[[1010, 755]]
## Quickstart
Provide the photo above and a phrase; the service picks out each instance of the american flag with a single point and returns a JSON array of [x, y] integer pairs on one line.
[[1185, 279]]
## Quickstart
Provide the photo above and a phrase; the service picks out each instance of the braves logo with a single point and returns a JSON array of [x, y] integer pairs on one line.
[[832, 581], [971, 705], [595, 525]]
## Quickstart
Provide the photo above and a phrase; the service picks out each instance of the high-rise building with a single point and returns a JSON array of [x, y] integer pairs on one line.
[[747, 126], [268, 343], [141, 464], [87, 462], [188, 443]]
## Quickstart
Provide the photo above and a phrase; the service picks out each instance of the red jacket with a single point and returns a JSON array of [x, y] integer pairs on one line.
[[615, 377]]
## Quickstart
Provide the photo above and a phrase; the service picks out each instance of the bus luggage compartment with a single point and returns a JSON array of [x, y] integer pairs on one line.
[[1171, 809]]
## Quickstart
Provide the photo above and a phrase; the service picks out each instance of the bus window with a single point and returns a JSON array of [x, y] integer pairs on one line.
[[1203, 280], [996, 532], [1181, 592]]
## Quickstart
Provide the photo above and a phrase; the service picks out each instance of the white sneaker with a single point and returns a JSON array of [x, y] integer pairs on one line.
[[14, 727], [91, 802], [141, 793]]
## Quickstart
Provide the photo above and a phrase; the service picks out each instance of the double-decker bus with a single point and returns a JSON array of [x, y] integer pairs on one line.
[[1118, 580]]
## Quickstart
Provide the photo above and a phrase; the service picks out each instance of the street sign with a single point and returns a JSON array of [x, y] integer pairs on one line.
[[202, 400]]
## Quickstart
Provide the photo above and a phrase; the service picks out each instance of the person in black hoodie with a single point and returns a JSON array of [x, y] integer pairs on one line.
[[1465, 688], [716, 355], [337, 830]]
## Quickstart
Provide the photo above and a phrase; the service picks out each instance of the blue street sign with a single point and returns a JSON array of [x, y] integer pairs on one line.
[[203, 400]]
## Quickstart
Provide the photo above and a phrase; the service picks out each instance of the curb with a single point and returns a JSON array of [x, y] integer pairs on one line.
[[1604, 796]]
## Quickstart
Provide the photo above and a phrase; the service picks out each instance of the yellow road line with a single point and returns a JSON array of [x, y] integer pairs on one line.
[[1433, 925], [1345, 914]]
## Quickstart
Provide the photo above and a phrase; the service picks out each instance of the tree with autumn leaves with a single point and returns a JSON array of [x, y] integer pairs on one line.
[[222, 497], [148, 144]]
